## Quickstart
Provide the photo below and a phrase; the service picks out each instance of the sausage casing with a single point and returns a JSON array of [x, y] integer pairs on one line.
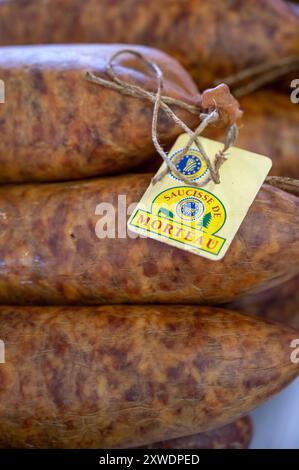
[[50, 253], [126, 376], [56, 125], [211, 39]]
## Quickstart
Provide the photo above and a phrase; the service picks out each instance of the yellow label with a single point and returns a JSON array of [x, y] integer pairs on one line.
[[201, 220]]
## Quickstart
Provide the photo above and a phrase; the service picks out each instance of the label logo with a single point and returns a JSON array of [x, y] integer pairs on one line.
[[192, 165], [190, 208], [186, 215]]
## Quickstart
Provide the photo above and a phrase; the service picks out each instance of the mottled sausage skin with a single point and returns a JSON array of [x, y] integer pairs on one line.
[[55, 125], [125, 376], [236, 435], [50, 253], [279, 304], [211, 39], [269, 127]]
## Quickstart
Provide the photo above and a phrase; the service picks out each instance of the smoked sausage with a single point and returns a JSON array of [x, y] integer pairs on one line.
[[211, 39], [51, 251], [56, 125], [127, 376]]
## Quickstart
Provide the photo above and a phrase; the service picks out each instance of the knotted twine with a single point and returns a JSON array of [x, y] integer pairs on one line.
[[163, 102]]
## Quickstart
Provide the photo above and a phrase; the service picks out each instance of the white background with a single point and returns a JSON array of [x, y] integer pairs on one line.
[[276, 423]]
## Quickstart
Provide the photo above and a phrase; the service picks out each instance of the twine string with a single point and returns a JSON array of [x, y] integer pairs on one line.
[[261, 75], [164, 102]]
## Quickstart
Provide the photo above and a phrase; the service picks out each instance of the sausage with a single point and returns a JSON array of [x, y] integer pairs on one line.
[[126, 376], [280, 304], [236, 435], [269, 127], [211, 39], [55, 125], [50, 253]]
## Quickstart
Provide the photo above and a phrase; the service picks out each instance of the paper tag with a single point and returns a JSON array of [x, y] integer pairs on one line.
[[204, 220]]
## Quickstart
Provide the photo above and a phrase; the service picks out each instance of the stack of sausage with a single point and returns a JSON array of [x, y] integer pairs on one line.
[[128, 342]]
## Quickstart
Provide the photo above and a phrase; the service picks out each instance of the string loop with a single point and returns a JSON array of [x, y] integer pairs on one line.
[[164, 102]]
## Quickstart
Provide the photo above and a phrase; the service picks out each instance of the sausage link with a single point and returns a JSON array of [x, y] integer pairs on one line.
[[55, 125], [127, 376], [50, 253], [211, 39]]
